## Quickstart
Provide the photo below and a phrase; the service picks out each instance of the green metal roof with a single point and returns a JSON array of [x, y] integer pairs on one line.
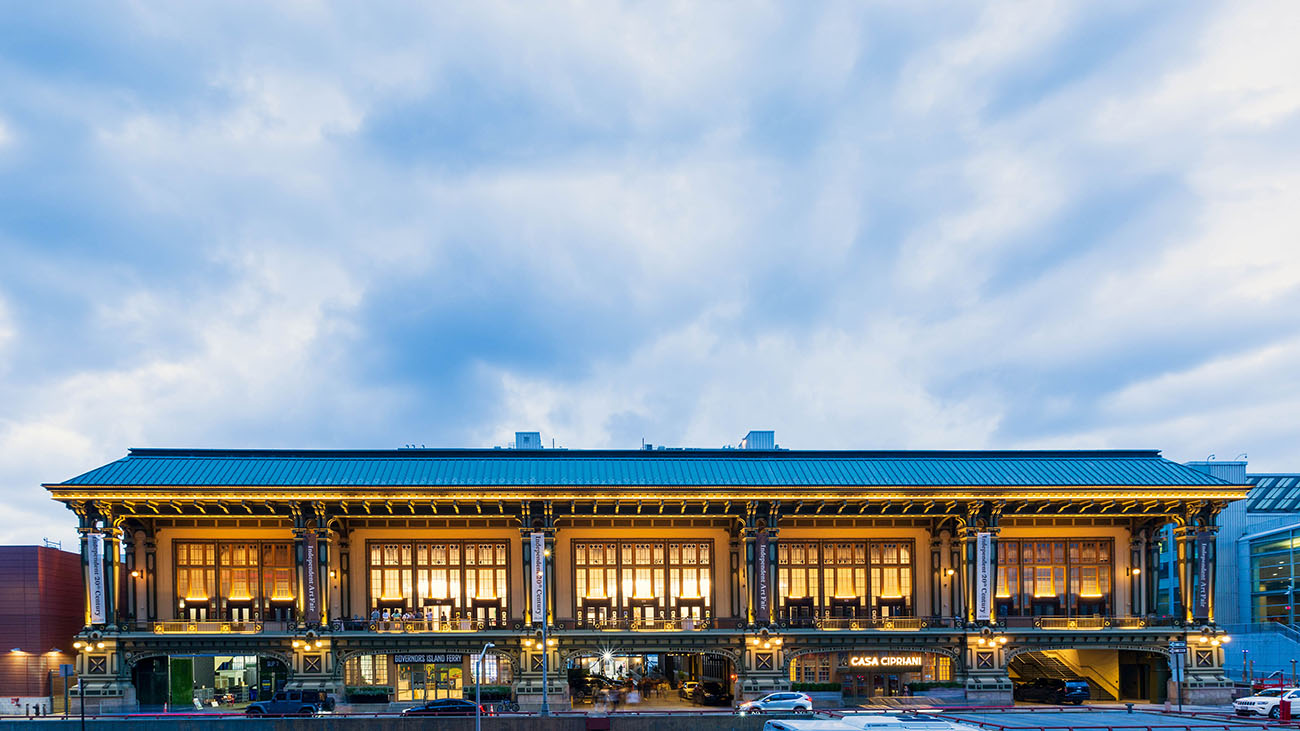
[[562, 467]]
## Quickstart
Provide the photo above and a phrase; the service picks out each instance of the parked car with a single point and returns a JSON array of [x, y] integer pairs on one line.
[[292, 703], [711, 694], [1053, 690], [1265, 702], [687, 690], [445, 707], [797, 702]]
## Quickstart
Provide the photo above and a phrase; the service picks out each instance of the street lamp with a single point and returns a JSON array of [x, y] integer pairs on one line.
[[478, 680]]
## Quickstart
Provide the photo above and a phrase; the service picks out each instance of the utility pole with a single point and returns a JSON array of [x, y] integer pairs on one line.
[[478, 680]]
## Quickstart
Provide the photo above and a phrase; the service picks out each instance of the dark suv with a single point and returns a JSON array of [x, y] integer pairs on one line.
[[711, 694], [1053, 690], [292, 703]]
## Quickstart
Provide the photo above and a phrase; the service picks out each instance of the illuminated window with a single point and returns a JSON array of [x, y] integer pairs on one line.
[[447, 579], [232, 580], [642, 580], [1045, 577], [844, 578]]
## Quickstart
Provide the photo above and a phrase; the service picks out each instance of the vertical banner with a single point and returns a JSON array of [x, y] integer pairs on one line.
[[95, 587], [311, 576], [983, 577], [538, 597], [763, 580], [1201, 598]]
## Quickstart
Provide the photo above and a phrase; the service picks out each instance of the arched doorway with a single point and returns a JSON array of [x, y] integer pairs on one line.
[[863, 674], [1112, 673], [180, 680], [661, 677]]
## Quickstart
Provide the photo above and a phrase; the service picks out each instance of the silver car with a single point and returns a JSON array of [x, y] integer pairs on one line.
[[787, 701]]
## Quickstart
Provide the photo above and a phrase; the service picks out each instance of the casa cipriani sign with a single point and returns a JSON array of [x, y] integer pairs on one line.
[[886, 662]]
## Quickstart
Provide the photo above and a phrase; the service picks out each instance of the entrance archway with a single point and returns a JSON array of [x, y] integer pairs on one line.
[[1113, 673], [863, 674], [179, 680], [660, 676]]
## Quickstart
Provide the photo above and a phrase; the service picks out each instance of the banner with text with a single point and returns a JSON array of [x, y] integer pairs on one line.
[[539, 577], [311, 577], [95, 563], [1204, 567], [763, 578], [983, 576]]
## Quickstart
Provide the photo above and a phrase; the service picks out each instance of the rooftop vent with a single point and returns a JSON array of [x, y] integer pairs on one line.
[[759, 440], [528, 440]]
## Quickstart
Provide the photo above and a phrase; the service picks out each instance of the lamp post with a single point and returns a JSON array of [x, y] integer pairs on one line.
[[478, 680]]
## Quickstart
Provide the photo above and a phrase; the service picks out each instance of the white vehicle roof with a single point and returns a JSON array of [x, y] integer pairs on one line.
[[903, 722], [812, 724]]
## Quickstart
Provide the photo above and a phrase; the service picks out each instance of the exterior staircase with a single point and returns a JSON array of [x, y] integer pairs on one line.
[[1033, 665], [1270, 646]]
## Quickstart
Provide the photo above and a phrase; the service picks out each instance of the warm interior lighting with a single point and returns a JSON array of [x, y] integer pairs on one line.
[[100, 645], [1091, 595], [981, 642], [1002, 640], [192, 598], [1137, 572], [1225, 639], [135, 574], [77, 645], [1044, 595], [1002, 595], [949, 572], [245, 597]]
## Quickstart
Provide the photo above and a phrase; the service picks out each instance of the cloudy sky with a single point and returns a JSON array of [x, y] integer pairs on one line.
[[863, 225]]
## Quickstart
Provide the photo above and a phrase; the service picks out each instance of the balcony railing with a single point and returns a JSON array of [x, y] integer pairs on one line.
[[177, 627], [416, 626], [684, 624], [1088, 622], [886, 623]]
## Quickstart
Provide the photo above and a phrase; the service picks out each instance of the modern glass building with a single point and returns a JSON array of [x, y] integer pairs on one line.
[[758, 568]]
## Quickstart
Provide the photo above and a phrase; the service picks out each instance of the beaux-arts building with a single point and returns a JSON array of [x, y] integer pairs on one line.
[[757, 566]]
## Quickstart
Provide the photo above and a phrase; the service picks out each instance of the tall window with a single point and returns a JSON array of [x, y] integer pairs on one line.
[[444, 579], [642, 580], [195, 575], [235, 580], [1046, 577], [854, 579]]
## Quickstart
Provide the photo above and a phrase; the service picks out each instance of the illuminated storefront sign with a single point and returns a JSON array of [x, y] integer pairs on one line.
[[453, 658], [898, 663]]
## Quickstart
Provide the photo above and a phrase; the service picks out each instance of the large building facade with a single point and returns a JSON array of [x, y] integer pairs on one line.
[[758, 567]]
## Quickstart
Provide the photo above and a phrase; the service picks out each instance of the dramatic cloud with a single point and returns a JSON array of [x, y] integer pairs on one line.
[[906, 226]]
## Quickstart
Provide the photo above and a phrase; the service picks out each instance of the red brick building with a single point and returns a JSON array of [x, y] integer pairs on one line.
[[42, 608]]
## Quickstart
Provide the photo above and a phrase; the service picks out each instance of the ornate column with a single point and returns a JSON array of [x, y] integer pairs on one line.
[[986, 678], [1137, 550], [539, 518], [151, 575], [936, 575], [308, 559]]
